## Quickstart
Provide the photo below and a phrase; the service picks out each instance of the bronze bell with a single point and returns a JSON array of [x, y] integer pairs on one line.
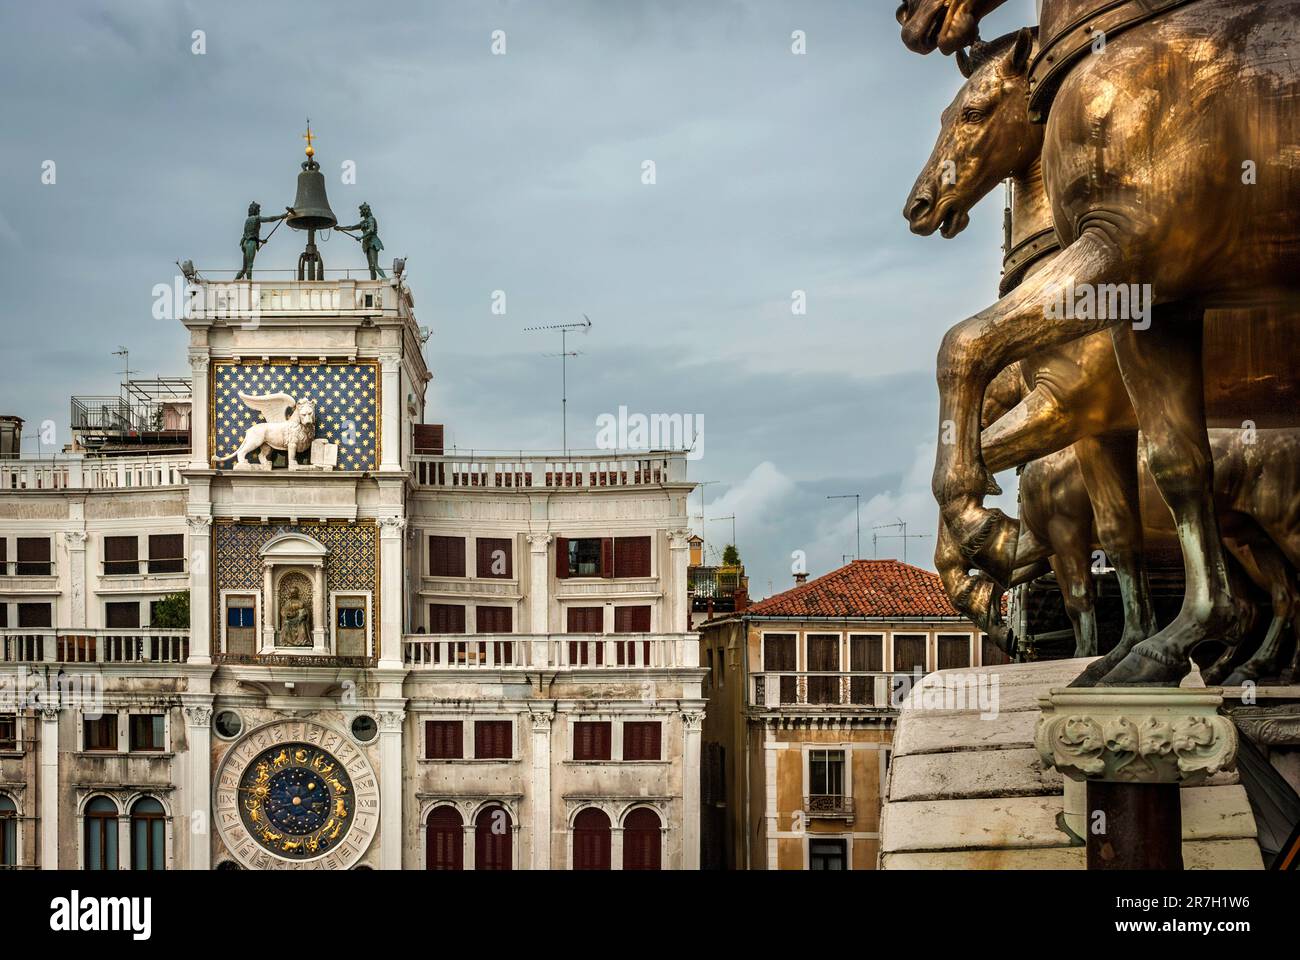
[[311, 208]]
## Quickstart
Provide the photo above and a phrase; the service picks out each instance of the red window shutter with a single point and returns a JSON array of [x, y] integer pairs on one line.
[[492, 740], [486, 547], [591, 740], [607, 557], [443, 740], [632, 557], [642, 740], [585, 620], [642, 846], [493, 840], [561, 558], [446, 846], [591, 840], [493, 620], [629, 619]]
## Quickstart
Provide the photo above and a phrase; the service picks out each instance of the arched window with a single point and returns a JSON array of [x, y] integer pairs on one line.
[[101, 834], [444, 840], [8, 832], [148, 835], [492, 839], [591, 840], [642, 849]]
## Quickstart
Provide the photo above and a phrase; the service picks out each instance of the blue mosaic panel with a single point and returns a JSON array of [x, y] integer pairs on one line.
[[345, 395], [351, 564]]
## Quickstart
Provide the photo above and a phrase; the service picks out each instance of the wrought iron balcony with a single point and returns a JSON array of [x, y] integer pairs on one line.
[[828, 806]]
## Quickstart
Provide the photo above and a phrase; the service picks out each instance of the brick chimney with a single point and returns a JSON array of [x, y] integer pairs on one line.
[[801, 578]]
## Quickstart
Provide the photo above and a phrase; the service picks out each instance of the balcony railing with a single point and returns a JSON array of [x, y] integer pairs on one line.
[[557, 651], [831, 806], [93, 473], [534, 472], [854, 688], [78, 645], [28, 568]]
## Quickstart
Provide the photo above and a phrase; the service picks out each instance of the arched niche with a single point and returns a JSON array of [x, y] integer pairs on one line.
[[293, 593]]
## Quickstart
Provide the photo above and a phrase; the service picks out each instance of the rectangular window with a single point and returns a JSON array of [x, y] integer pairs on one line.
[[826, 775], [4, 614], [632, 556], [444, 739], [591, 557], [954, 650], [495, 558], [779, 657], [492, 739], [866, 655], [823, 657], [827, 855], [121, 556], [241, 626], [100, 733], [446, 618], [167, 553], [35, 615], [446, 556], [34, 557], [4, 556], [585, 619], [147, 731], [592, 740], [909, 652], [122, 615], [642, 740], [8, 731], [493, 619]]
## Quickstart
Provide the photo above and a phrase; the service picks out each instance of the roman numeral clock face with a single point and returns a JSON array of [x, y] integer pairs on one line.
[[296, 795], [296, 800]]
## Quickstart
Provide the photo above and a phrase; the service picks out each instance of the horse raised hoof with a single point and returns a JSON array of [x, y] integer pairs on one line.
[[1142, 668], [989, 543]]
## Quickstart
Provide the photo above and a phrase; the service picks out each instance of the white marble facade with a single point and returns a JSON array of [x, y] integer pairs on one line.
[[314, 599]]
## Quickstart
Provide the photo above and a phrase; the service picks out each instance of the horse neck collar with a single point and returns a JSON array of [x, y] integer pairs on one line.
[[1033, 234], [1066, 33]]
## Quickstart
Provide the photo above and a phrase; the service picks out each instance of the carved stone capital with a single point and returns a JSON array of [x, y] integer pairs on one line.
[[390, 721], [391, 526], [542, 720], [389, 362], [693, 720], [1135, 734], [539, 541], [75, 539], [199, 525], [199, 362], [679, 539], [198, 716]]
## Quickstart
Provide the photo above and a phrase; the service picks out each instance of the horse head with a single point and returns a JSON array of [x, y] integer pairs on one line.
[[985, 136], [948, 25]]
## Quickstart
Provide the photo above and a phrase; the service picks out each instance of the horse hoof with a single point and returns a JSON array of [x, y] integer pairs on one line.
[[993, 489], [1093, 672], [1140, 669]]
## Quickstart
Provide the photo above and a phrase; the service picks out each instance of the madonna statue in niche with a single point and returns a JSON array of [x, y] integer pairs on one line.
[[295, 611]]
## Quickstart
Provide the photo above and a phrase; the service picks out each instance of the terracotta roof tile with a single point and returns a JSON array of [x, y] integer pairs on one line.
[[863, 588]]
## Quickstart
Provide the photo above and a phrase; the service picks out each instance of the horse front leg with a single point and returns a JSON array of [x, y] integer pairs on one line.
[[1161, 367], [1026, 319]]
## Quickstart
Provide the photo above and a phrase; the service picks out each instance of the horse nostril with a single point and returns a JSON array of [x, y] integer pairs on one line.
[[917, 208]]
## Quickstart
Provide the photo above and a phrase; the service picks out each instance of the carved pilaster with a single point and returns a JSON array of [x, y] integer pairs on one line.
[[1135, 735], [390, 721]]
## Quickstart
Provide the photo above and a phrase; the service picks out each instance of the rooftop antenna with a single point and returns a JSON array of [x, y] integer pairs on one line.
[[704, 537], [565, 353], [857, 515], [732, 518], [904, 536], [125, 354]]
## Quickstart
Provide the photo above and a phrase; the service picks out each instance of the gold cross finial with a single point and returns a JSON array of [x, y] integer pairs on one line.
[[311, 151]]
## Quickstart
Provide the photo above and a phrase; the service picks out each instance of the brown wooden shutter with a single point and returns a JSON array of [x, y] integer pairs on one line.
[[632, 619], [909, 652], [632, 556], [121, 555], [591, 840], [585, 619], [492, 739], [642, 740], [427, 438], [592, 740], [446, 840], [443, 740], [607, 557], [4, 554], [493, 620], [954, 651], [446, 618], [167, 553], [642, 843], [561, 558], [485, 548], [492, 847], [35, 615], [122, 616], [446, 556], [34, 556]]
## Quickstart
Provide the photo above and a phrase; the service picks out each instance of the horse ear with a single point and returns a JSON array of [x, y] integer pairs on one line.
[[901, 14], [1020, 53], [964, 63]]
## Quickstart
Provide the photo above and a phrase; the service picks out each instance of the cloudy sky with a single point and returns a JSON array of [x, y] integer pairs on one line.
[[523, 173]]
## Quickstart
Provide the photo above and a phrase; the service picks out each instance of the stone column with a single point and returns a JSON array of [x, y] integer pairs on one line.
[[540, 792], [675, 594], [1135, 747], [390, 589], [391, 828], [539, 572], [75, 540], [692, 725], [199, 411], [49, 788], [198, 733], [200, 589], [390, 399]]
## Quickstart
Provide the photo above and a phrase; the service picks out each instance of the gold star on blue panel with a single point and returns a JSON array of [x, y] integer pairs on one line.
[[345, 395]]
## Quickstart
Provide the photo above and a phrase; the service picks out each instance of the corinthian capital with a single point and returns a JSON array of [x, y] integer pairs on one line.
[[1135, 735]]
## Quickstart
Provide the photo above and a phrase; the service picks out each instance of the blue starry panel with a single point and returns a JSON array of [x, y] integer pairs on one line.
[[345, 394]]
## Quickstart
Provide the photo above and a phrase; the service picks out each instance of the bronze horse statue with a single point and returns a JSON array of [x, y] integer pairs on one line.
[[1167, 163]]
